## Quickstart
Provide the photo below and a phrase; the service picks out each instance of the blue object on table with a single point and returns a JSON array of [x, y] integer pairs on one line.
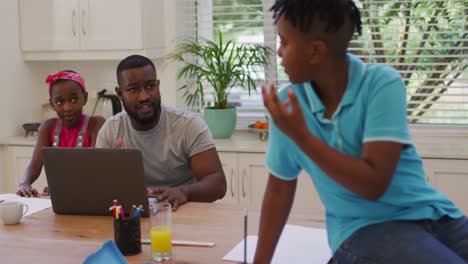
[[107, 254]]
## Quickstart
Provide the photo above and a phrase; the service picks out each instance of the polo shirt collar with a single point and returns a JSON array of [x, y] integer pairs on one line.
[[356, 72]]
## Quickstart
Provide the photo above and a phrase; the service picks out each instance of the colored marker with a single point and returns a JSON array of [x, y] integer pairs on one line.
[[122, 216], [117, 212], [132, 211], [138, 211], [113, 208]]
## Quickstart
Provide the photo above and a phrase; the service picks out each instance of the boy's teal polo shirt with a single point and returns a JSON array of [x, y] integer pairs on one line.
[[373, 108]]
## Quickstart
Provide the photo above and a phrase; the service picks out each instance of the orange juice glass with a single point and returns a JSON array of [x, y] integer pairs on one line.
[[161, 233], [161, 240]]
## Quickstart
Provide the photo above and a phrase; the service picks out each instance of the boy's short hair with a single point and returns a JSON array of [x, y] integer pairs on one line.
[[132, 62], [332, 13]]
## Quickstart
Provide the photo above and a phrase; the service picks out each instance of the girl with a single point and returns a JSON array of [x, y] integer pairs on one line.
[[67, 96]]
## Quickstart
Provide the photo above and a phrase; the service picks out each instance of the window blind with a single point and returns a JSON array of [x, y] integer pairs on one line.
[[425, 40], [244, 21]]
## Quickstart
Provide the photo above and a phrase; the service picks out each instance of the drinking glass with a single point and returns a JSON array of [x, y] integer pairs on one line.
[[161, 233]]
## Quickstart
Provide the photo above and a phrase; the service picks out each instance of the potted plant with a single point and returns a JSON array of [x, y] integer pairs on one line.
[[219, 67]]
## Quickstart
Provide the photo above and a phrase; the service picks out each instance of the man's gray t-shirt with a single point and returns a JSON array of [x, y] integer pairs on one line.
[[166, 148]]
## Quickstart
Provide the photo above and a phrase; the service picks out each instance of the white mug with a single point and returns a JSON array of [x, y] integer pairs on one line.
[[12, 212]]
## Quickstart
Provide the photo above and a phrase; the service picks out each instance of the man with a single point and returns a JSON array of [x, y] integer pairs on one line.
[[181, 163]]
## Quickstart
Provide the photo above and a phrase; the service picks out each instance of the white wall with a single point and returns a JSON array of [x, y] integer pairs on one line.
[[20, 85], [23, 88]]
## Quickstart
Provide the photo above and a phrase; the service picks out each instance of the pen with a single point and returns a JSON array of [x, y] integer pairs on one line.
[[245, 236]]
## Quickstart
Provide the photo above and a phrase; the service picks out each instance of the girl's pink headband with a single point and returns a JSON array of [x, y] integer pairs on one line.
[[64, 75]]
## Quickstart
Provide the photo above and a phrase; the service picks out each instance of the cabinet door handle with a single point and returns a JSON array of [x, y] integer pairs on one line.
[[230, 182], [83, 15], [244, 172], [73, 22]]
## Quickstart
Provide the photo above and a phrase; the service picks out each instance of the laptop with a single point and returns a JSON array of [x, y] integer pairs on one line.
[[85, 181]]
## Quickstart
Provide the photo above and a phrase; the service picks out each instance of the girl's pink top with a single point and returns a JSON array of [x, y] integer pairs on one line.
[[69, 137]]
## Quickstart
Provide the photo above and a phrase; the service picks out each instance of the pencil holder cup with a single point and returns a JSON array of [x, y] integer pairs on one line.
[[127, 235]]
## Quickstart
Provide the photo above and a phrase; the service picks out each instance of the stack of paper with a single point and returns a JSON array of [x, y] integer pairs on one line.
[[297, 244], [35, 204]]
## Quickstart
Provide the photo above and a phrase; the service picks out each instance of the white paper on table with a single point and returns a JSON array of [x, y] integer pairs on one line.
[[35, 204], [297, 244]]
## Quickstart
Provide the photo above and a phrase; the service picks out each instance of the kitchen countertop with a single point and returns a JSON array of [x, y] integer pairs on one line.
[[19, 141], [241, 141], [249, 142]]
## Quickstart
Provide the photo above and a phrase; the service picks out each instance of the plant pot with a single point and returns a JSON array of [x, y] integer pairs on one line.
[[221, 122]]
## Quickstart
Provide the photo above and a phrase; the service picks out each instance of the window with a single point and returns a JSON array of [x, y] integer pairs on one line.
[[425, 40], [245, 21]]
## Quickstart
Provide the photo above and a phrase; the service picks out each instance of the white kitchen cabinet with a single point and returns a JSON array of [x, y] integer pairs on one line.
[[93, 30], [16, 160], [253, 178], [247, 177], [450, 176], [49, 25], [229, 161]]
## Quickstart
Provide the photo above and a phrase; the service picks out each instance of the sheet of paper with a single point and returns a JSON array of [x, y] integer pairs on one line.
[[297, 244], [35, 204]]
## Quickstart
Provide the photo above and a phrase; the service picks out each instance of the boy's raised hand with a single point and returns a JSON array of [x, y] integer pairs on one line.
[[287, 116]]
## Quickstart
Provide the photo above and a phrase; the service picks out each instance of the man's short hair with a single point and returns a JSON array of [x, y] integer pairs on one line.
[[132, 62]]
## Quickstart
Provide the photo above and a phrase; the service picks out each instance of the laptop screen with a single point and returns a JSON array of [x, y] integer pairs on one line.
[[85, 181]]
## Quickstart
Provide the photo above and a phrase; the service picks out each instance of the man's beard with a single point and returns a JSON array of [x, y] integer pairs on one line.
[[145, 120]]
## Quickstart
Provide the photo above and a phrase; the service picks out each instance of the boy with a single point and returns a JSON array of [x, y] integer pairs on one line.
[[344, 122]]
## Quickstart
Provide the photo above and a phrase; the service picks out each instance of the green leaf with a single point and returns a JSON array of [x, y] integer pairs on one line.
[[220, 65]]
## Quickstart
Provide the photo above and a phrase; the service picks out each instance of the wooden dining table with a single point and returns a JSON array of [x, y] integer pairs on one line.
[[45, 237]]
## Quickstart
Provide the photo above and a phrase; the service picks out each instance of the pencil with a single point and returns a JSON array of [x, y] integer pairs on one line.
[[186, 243], [245, 236]]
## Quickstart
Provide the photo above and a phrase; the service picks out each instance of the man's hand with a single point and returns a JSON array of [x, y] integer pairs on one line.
[[45, 192], [26, 190], [118, 143], [174, 195]]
